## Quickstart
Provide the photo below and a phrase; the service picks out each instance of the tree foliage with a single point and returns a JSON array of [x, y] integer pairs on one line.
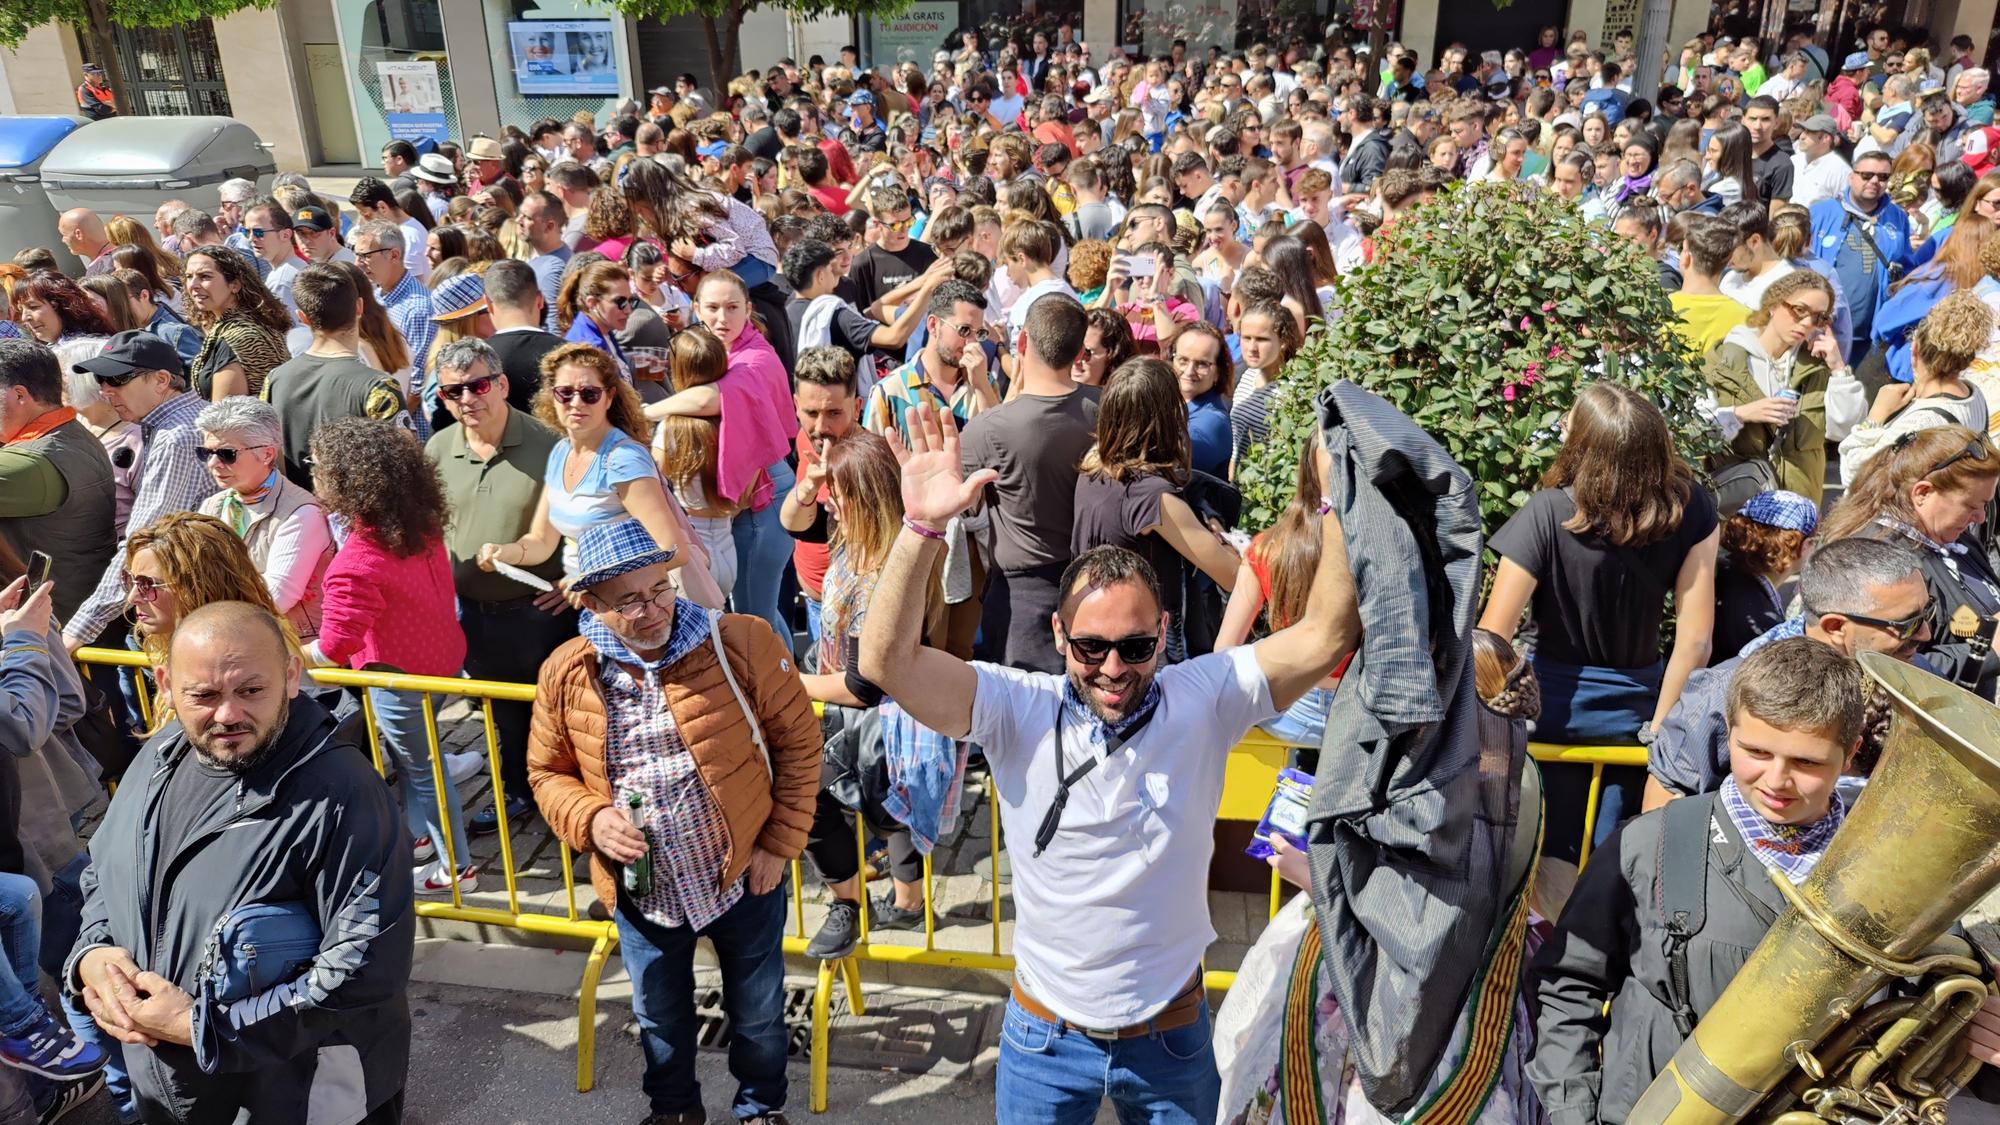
[[1483, 315], [97, 19], [723, 21]]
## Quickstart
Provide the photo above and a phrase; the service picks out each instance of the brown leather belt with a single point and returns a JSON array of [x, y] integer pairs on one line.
[[1182, 1010]]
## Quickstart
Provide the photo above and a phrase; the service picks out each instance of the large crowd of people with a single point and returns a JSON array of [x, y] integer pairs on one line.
[[938, 377]]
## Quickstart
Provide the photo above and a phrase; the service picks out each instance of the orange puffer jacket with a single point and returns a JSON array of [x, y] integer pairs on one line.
[[773, 811]]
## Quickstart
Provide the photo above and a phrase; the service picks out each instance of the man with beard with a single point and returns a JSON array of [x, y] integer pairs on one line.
[[1109, 777], [249, 833]]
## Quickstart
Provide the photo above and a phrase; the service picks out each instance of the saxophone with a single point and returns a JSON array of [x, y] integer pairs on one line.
[[1794, 1039]]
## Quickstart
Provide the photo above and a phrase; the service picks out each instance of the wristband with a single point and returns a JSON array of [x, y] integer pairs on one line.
[[920, 529]]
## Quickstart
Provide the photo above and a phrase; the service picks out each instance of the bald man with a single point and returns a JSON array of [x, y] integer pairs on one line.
[[83, 235], [250, 796]]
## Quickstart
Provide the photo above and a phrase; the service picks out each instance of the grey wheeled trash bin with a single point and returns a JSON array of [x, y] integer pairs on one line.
[[131, 165], [26, 216]]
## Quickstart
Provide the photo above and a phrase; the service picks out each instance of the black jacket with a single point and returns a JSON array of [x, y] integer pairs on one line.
[[1365, 161], [521, 358], [312, 825]]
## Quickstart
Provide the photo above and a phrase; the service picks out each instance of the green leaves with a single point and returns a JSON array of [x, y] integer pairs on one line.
[[18, 17], [1483, 315]]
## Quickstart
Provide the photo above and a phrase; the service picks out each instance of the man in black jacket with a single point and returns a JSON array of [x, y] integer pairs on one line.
[[247, 822], [519, 311], [1368, 148]]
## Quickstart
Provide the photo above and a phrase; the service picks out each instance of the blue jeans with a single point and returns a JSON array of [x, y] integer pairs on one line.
[[1050, 1075], [763, 551], [399, 715], [813, 621], [21, 1008], [748, 941], [1304, 722]]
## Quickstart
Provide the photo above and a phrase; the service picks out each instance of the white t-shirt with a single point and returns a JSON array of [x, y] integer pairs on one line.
[[1111, 920], [1017, 313], [416, 249], [1749, 291], [1815, 180]]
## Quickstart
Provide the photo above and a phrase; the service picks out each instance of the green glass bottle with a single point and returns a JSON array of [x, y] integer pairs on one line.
[[638, 874]]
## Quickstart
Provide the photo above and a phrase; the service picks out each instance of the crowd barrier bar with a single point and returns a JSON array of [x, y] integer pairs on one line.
[[1251, 774]]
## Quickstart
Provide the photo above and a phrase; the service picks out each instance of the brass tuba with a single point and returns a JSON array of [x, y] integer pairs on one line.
[[1790, 1040]]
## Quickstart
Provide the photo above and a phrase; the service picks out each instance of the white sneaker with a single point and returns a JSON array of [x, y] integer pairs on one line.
[[463, 766], [422, 850], [432, 879]]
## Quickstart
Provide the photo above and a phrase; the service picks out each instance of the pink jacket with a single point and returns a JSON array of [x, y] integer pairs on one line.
[[757, 420], [383, 609]]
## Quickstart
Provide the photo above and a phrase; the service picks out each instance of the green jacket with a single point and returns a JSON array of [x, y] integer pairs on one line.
[[1797, 450]]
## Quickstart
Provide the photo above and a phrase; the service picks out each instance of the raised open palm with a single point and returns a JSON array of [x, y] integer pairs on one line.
[[934, 487]]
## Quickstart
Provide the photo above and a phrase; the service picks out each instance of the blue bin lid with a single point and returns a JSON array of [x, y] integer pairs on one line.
[[25, 140]]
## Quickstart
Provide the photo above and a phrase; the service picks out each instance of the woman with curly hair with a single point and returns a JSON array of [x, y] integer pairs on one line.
[[389, 605], [52, 308], [179, 563], [601, 471], [243, 325], [608, 224], [1763, 545], [1944, 344]]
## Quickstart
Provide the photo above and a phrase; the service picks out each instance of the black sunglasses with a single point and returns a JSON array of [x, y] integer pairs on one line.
[[1092, 651], [476, 387], [120, 380], [622, 302], [1905, 628], [223, 454]]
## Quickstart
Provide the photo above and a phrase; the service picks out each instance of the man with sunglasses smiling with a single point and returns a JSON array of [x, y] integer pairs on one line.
[[141, 376], [1860, 595], [1109, 777], [950, 371], [1866, 239]]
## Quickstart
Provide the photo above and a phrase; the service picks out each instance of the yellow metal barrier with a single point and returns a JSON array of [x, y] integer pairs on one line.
[[1250, 777]]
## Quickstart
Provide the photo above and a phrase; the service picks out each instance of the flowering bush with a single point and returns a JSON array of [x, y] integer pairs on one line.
[[1481, 317]]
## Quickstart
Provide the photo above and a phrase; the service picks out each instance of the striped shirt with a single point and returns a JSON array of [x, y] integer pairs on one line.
[[171, 479], [409, 308]]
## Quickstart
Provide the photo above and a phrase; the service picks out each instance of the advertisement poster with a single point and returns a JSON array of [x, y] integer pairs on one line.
[[564, 57], [412, 100], [914, 35]]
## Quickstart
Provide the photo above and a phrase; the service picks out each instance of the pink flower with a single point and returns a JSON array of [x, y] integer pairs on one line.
[[1555, 351], [1524, 324], [1533, 375], [1507, 392], [1548, 306]]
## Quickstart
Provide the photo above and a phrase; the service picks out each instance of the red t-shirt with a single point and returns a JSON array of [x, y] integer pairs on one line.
[[832, 198], [809, 559]]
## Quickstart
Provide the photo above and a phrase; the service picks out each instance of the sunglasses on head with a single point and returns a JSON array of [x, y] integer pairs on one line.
[[223, 453], [1092, 651], [589, 396], [1974, 449], [475, 387]]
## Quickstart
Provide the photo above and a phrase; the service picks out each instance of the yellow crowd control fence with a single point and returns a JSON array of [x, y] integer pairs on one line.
[[1250, 777]]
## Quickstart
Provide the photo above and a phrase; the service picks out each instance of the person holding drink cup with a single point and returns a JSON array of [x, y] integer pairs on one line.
[[1784, 347]]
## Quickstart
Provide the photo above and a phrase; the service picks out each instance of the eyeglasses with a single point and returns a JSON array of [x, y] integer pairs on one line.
[[367, 254], [1092, 651], [223, 453], [146, 591], [1974, 449], [632, 608], [1873, 177], [1811, 318], [893, 224], [525, 168], [476, 387], [964, 331], [566, 395], [260, 232], [1189, 363], [1904, 628]]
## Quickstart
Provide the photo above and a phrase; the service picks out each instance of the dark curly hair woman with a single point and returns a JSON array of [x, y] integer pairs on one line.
[[243, 324], [53, 308], [389, 603]]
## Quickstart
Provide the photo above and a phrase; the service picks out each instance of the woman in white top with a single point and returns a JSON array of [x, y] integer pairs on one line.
[[284, 526], [1942, 346], [1726, 166], [600, 472]]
